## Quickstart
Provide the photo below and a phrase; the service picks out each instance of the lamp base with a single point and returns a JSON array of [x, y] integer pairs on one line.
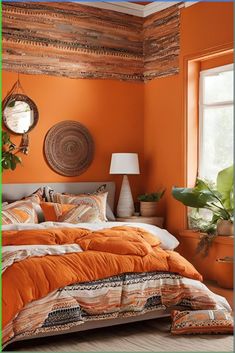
[[125, 207]]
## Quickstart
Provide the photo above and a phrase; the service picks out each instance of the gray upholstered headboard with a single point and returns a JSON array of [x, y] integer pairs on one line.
[[12, 192]]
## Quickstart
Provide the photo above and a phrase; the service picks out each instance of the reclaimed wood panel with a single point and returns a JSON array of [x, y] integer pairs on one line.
[[161, 43], [72, 40], [78, 41]]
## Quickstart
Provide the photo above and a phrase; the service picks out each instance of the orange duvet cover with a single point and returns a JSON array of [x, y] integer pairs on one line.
[[106, 253]]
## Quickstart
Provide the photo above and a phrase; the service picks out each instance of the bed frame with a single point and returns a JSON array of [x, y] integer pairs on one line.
[[12, 192], [96, 324]]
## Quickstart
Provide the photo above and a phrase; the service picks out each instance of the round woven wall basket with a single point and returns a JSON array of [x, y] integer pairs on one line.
[[69, 148]]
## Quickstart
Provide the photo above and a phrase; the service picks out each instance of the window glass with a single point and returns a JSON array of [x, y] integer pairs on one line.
[[216, 121], [218, 87]]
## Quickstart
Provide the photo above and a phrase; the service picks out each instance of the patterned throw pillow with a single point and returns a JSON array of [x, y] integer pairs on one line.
[[19, 212], [52, 211], [80, 214], [201, 322], [57, 212], [97, 201], [51, 195], [36, 197]]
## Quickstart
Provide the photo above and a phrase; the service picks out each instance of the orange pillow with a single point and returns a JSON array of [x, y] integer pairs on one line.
[[201, 321], [53, 211]]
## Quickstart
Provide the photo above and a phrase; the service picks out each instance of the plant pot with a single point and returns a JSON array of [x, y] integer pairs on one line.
[[224, 272], [148, 208], [225, 227]]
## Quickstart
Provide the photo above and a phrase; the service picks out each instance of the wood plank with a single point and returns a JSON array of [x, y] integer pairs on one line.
[[78, 41], [161, 43]]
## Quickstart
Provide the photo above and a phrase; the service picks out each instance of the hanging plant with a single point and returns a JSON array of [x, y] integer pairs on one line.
[[9, 150], [205, 243]]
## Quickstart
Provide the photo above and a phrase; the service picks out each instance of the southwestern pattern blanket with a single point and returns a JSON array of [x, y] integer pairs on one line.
[[55, 279]]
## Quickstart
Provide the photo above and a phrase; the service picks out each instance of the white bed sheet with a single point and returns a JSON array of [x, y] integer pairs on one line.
[[168, 241]]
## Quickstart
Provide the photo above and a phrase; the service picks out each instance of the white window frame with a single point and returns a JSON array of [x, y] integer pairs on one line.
[[203, 73]]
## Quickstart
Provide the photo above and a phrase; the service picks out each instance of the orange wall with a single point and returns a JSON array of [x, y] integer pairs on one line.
[[127, 117], [111, 110], [217, 61], [204, 26]]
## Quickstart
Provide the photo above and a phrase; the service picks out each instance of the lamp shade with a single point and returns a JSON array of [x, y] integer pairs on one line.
[[124, 163]]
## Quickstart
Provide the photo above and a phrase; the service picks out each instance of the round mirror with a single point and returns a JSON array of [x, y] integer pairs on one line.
[[20, 113]]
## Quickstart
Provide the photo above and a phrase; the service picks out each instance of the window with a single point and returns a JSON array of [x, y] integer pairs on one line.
[[215, 121]]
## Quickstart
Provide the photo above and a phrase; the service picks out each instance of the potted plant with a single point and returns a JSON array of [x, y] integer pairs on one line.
[[9, 158], [218, 199], [148, 203]]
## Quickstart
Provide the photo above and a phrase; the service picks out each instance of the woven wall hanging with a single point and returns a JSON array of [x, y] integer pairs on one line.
[[69, 148]]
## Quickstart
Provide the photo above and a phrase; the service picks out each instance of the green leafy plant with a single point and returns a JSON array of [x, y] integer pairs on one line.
[[9, 150], [218, 199], [151, 197]]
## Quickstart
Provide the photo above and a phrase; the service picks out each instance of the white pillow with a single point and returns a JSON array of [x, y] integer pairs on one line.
[[168, 241]]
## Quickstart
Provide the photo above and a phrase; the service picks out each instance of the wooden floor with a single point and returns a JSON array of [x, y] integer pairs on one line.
[[146, 336]]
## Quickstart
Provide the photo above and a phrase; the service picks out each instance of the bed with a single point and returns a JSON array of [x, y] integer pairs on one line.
[[110, 297]]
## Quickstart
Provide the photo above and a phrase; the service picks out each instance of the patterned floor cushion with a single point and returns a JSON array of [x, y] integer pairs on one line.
[[201, 321]]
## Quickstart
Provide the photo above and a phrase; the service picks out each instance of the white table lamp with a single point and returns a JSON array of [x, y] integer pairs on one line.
[[125, 163]]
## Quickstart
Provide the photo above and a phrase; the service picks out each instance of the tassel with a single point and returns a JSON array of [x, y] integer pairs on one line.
[[24, 145]]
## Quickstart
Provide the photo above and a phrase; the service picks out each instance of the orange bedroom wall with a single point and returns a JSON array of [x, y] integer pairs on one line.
[[111, 110], [217, 61], [203, 28], [127, 117]]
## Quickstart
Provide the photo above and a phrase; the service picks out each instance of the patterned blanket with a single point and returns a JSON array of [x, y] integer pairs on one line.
[[56, 279], [115, 297]]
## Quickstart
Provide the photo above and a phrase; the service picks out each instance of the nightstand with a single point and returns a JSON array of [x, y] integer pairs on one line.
[[156, 221]]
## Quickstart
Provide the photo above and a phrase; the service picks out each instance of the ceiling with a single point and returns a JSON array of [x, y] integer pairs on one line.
[[142, 2], [137, 8]]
